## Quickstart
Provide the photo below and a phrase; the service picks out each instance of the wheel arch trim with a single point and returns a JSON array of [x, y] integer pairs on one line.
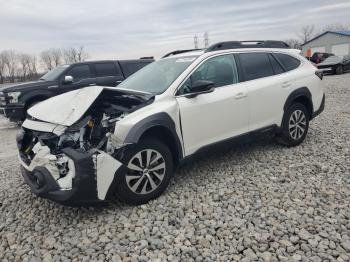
[[300, 92], [156, 120]]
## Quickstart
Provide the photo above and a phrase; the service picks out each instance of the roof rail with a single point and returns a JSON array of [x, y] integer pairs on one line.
[[147, 57], [176, 52], [247, 44]]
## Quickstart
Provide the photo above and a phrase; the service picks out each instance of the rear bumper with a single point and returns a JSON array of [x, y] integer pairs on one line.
[[320, 110], [14, 112]]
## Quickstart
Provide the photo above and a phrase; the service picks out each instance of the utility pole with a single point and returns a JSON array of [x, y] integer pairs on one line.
[[206, 39], [195, 42]]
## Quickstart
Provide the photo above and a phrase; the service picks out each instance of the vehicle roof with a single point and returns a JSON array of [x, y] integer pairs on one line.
[[238, 50]]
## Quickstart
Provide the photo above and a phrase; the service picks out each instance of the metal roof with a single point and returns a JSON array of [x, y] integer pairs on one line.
[[345, 33]]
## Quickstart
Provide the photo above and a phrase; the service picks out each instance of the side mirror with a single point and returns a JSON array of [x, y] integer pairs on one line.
[[68, 80], [201, 87]]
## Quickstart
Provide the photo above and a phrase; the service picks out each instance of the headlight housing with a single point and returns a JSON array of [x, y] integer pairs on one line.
[[13, 96]]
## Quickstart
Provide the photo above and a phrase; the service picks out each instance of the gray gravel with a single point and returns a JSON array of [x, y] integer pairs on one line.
[[253, 202]]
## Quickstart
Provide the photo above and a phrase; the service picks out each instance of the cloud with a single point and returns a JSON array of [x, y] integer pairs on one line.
[[129, 29]]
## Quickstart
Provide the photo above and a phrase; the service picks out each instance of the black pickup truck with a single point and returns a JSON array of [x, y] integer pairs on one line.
[[17, 98]]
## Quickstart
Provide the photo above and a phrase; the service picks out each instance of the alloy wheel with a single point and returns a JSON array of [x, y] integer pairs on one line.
[[146, 170], [297, 124]]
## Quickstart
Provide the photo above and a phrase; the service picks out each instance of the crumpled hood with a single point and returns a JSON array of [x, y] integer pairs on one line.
[[67, 108]]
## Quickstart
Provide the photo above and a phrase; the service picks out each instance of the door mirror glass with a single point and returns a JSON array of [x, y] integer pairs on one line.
[[68, 80]]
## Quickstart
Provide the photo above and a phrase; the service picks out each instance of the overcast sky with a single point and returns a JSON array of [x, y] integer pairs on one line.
[[111, 29]]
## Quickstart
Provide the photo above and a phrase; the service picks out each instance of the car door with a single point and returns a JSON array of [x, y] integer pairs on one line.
[[108, 74], [215, 116], [82, 75], [265, 87]]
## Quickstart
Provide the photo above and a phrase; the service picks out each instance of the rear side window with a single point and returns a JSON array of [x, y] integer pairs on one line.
[[277, 68], [80, 72], [255, 65], [105, 69], [288, 62]]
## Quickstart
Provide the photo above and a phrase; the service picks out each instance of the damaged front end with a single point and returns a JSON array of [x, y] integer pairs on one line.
[[79, 163]]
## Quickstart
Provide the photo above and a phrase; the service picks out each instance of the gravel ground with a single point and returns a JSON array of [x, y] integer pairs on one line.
[[257, 201]]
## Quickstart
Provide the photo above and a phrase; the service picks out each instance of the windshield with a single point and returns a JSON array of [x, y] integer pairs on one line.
[[156, 77], [333, 59], [54, 73]]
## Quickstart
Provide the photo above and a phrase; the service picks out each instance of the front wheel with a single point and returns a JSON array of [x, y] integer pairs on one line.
[[295, 125], [149, 170], [339, 70]]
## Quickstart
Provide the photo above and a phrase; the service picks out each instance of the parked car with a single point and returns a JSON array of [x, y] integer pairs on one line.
[[17, 98], [335, 64], [88, 144], [319, 57]]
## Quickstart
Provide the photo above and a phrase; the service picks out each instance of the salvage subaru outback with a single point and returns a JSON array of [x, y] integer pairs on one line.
[[93, 143]]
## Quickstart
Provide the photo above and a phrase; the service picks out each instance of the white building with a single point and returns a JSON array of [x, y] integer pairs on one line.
[[336, 42]]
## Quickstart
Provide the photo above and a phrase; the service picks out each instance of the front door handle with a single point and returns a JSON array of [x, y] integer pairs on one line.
[[92, 84], [240, 95]]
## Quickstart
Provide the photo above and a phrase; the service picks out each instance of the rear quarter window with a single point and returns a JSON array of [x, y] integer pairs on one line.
[[288, 62]]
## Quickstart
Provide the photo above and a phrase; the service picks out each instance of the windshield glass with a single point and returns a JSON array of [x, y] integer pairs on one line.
[[156, 77], [333, 59], [54, 73]]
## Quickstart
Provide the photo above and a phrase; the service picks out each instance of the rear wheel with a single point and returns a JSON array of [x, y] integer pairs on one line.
[[295, 125], [149, 170], [339, 70]]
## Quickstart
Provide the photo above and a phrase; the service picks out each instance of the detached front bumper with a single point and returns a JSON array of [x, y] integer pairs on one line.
[[94, 177]]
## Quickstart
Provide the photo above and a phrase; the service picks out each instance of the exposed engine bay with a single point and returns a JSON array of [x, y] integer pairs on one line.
[[90, 135], [91, 132]]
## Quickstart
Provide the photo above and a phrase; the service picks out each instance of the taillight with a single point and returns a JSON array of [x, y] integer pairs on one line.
[[319, 74]]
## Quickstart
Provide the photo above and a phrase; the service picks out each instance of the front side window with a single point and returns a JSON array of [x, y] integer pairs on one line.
[[288, 62], [255, 65], [54, 73], [221, 70], [80, 72], [105, 69]]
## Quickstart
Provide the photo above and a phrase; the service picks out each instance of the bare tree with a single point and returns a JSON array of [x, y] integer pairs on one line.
[[293, 43], [46, 60], [24, 61], [306, 33], [82, 55], [2, 68], [51, 58], [74, 55], [33, 73], [56, 54], [10, 63]]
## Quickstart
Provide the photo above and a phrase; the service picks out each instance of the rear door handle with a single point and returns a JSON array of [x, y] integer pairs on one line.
[[285, 84], [92, 84], [240, 95]]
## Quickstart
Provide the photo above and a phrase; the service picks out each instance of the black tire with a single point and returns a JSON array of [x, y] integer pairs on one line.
[[339, 70], [125, 193], [288, 136]]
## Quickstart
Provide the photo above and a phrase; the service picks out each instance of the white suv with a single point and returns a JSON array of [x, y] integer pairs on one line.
[[92, 143]]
